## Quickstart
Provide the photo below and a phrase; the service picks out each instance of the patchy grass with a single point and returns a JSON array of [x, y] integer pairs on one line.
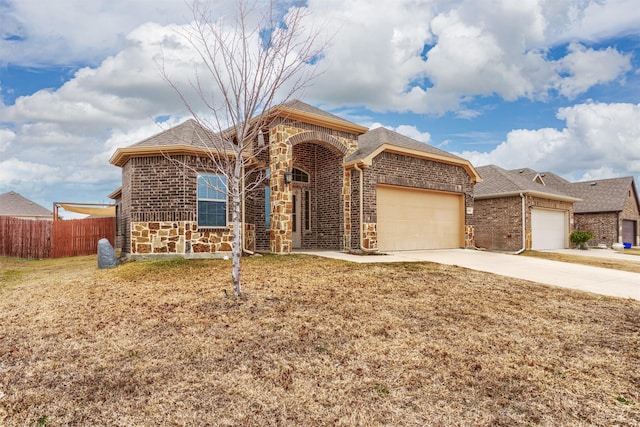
[[312, 342], [594, 261], [632, 251]]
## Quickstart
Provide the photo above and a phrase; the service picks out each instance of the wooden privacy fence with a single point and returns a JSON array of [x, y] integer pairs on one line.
[[24, 238]]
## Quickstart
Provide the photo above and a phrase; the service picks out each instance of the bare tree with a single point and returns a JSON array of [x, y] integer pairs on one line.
[[252, 64]]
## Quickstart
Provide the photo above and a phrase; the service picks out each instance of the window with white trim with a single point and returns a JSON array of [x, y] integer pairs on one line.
[[212, 200]]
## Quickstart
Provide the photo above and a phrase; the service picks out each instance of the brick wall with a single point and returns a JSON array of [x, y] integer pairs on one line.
[[356, 229], [498, 223], [328, 199], [396, 169], [630, 210], [603, 225], [159, 198], [631, 213], [124, 214], [324, 167], [164, 189]]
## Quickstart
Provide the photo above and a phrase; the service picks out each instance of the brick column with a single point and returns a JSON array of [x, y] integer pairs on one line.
[[346, 197], [280, 160]]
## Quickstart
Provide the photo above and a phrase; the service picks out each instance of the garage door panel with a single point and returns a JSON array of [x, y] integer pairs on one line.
[[629, 231], [548, 229], [412, 219]]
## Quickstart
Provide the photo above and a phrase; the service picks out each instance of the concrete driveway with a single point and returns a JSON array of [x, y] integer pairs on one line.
[[597, 280]]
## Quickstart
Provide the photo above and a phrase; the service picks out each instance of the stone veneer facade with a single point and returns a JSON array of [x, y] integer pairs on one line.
[[334, 145], [183, 238], [157, 214]]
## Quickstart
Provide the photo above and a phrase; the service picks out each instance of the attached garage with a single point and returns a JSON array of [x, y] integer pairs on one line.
[[414, 219], [548, 229]]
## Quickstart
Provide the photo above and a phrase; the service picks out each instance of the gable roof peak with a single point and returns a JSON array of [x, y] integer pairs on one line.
[[499, 182], [602, 195], [380, 139]]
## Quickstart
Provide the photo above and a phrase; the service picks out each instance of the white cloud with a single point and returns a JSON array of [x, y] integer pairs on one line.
[[476, 48], [589, 67], [599, 140], [603, 19], [15, 171], [62, 32], [6, 136]]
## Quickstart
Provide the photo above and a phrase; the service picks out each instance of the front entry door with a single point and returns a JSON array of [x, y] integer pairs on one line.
[[296, 219]]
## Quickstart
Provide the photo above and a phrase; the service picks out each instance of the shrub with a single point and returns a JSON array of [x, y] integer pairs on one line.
[[581, 237]]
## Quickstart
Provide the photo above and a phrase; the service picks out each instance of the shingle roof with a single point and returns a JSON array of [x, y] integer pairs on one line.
[[191, 133], [14, 204], [526, 173], [604, 195], [303, 106], [188, 133], [497, 181], [375, 138], [552, 180]]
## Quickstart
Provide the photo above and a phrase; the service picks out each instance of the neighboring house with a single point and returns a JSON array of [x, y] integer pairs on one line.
[[15, 205], [609, 208], [347, 188], [515, 211]]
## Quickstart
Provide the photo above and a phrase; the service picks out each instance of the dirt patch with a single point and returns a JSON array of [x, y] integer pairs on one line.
[[312, 342]]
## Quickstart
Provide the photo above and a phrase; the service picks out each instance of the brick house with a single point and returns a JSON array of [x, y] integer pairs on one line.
[[332, 184], [515, 211], [609, 208]]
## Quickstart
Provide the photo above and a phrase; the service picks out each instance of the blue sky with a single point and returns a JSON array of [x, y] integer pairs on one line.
[[554, 86]]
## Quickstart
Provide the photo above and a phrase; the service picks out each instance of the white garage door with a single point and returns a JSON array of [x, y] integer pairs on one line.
[[412, 219], [548, 229]]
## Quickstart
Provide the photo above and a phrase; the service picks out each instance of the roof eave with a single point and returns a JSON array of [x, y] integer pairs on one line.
[[528, 193], [389, 148], [115, 194], [599, 211], [122, 155]]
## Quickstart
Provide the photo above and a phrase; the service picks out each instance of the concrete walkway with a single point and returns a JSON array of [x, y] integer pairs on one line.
[[597, 280]]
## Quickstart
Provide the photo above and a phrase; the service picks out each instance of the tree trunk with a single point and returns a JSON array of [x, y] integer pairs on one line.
[[238, 232]]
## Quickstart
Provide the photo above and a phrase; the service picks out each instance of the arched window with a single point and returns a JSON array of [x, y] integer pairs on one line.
[[298, 175]]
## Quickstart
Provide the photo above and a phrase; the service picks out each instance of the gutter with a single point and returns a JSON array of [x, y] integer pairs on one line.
[[361, 234], [524, 240], [532, 193]]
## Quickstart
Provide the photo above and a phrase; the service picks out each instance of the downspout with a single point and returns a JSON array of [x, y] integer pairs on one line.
[[361, 234], [524, 239]]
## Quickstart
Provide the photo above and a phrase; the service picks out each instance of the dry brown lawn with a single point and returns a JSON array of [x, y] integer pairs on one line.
[[314, 342], [593, 261]]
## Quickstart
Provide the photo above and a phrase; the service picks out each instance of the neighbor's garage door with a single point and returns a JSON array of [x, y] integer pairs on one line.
[[548, 229], [410, 219], [629, 231]]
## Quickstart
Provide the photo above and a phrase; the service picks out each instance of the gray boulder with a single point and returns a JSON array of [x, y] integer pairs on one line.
[[106, 254]]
